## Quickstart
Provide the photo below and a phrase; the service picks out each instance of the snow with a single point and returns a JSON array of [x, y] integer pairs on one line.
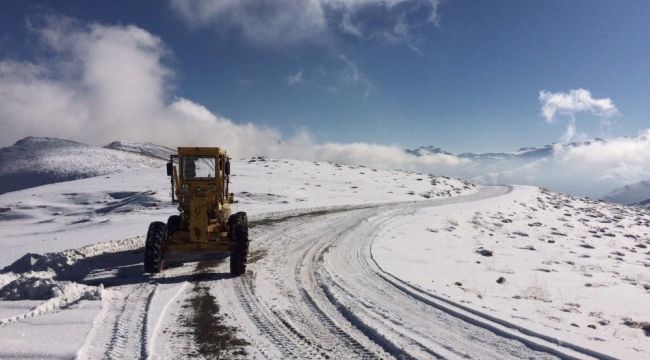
[[72, 251], [50, 336], [148, 149], [570, 267], [35, 161], [121, 205], [54, 237]]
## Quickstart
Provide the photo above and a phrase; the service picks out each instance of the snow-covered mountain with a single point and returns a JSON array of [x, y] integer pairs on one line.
[[148, 149], [35, 161], [428, 150], [525, 153], [634, 194], [569, 168]]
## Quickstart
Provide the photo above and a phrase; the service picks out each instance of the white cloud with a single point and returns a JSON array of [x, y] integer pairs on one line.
[[570, 103], [573, 102], [294, 79], [105, 83], [269, 22], [351, 76], [285, 22], [336, 74]]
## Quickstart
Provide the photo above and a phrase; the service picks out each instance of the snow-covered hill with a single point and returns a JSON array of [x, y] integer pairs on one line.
[[261, 185], [35, 161], [102, 219], [635, 194], [148, 149]]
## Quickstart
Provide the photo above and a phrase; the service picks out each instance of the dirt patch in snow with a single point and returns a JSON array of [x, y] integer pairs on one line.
[[204, 321], [214, 339]]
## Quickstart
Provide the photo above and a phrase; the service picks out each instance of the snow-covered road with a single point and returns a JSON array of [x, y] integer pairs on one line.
[[312, 291]]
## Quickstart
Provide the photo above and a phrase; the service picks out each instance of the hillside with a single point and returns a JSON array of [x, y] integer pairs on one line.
[[34, 161], [634, 194], [148, 149]]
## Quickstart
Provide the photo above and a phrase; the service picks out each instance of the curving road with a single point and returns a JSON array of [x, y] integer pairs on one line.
[[312, 291]]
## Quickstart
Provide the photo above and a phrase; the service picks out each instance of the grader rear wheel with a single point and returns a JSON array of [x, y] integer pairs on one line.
[[238, 234], [173, 224], [154, 247]]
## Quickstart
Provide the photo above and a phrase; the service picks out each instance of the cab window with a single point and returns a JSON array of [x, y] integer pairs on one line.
[[199, 167]]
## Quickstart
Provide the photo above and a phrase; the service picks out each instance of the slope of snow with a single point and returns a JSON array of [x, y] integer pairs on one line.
[[148, 149], [121, 205], [35, 161], [45, 286], [630, 194], [572, 268]]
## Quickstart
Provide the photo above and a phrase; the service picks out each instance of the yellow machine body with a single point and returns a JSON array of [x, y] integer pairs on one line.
[[199, 179]]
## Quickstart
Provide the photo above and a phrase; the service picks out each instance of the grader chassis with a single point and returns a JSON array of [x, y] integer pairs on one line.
[[204, 225]]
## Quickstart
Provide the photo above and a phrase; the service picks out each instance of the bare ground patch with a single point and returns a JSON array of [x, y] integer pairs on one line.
[[203, 320]]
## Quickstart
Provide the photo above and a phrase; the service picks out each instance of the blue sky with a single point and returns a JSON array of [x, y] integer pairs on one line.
[[468, 80]]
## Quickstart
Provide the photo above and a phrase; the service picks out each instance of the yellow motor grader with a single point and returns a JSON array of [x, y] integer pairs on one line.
[[199, 181]]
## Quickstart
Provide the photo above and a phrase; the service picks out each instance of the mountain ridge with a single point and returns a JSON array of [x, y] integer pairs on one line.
[[637, 194], [35, 161], [523, 152]]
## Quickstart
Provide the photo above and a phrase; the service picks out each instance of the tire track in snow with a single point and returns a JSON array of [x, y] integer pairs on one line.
[[532, 339], [307, 280], [129, 332], [285, 337], [158, 326], [303, 331], [346, 274]]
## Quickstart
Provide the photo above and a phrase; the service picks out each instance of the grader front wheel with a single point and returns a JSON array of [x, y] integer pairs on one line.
[[238, 234]]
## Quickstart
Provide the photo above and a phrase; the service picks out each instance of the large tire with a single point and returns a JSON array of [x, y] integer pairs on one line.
[[238, 234], [173, 224], [154, 247]]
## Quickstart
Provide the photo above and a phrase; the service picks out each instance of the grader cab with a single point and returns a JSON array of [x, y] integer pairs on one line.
[[204, 225]]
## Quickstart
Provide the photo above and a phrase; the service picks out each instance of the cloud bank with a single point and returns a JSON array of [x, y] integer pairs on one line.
[[623, 160], [289, 22], [103, 83]]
